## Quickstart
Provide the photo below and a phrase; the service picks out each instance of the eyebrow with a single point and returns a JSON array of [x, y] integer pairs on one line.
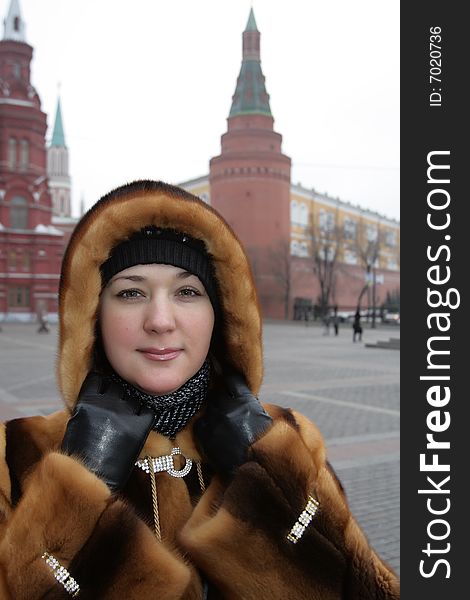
[[180, 275]]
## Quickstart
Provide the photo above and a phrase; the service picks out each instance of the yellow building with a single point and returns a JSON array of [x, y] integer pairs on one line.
[[364, 237]]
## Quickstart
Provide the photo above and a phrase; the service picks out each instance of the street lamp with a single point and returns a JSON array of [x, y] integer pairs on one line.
[[374, 280]]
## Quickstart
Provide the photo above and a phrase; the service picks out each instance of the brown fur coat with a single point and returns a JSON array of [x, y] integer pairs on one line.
[[233, 535]]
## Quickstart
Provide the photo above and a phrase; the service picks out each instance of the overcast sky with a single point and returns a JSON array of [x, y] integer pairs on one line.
[[146, 88]]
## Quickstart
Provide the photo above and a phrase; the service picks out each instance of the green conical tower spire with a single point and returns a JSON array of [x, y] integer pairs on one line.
[[250, 95], [251, 25], [58, 137]]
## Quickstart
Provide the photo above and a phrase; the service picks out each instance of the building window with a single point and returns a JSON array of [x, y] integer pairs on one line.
[[11, 153], [24, 154], [18, 297], [350, 257], [372, 233], [299, 213], [27, 260], [11, 259], [327, 253], [294, 212], [392, 264], [19, 213], [299, 248], [350, 227], [16, 23], [327, 221], [391, 238]]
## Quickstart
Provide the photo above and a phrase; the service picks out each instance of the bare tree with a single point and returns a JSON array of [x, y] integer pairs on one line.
[[368, 244], [325, 238], [280, 260]]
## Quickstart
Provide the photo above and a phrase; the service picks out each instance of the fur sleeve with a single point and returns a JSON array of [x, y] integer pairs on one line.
[[68, 512], [238, 534]]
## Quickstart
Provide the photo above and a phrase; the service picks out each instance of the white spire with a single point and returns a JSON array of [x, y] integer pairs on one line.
[[13, 25]]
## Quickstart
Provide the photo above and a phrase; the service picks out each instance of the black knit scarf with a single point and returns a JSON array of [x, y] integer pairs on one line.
[[173, 410]]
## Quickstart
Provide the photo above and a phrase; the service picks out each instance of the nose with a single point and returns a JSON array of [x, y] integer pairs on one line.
[[159, 316]]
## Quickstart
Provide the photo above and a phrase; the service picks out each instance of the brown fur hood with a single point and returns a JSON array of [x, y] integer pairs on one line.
[[114, 218]]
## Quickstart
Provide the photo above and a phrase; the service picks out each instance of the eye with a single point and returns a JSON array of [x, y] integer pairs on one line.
[[129, 294], [188, 292]]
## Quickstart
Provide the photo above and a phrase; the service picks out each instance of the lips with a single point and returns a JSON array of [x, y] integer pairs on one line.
[[160, 354]]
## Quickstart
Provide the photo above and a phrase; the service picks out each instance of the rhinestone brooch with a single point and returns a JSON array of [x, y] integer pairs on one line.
[[303, 521], [165, 463], [62, 575]]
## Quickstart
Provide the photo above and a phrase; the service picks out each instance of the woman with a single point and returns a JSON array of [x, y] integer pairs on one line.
[[357, 327], [165, 477]]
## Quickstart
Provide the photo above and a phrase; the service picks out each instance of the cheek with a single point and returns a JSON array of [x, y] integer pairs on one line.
[[202, 327], [114, 331]]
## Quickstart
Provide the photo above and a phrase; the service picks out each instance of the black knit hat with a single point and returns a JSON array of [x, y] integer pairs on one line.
[[164, 246]]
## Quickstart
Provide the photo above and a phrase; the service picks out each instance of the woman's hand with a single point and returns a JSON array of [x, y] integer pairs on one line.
[[107, 430], [233, 420]]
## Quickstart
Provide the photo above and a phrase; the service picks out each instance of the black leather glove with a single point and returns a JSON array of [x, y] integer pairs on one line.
[[106, 430], [233, 420]]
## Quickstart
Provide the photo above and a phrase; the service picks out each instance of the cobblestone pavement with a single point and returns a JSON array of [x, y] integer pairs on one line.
[[350, 391]]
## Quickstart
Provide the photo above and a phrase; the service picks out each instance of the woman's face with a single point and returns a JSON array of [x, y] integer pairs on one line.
[[156, 324]]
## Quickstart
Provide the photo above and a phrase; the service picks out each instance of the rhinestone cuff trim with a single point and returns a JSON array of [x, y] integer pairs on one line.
[[165, 463], [304, 520], [62, 575]]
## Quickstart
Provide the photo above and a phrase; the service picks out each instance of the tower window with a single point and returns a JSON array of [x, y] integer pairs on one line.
[[16, 23], [19, 213], [24, 154], [12, 153]]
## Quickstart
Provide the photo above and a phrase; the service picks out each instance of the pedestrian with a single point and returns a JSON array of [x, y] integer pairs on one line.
[[165, 477], [43, 322], [357, 327], [336, 320]]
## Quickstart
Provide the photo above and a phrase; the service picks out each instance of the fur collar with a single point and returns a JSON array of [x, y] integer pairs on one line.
[[113, 218]]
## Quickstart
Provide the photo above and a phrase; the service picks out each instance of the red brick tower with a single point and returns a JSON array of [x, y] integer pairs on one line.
[[250, 179], [30, 247]]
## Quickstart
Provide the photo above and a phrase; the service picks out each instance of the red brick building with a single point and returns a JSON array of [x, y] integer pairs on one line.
[[31, 247]]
